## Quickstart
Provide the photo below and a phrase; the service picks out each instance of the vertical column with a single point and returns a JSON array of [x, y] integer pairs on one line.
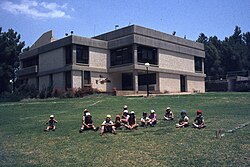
[[135, 53], [73, 54], [157, 88], [82, 79], [203, 68], [135, 79]]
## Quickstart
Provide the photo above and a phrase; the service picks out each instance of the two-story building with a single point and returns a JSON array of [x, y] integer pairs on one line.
[[116, 60]]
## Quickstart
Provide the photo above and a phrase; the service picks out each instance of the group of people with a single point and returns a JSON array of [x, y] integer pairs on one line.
[[128, 120]]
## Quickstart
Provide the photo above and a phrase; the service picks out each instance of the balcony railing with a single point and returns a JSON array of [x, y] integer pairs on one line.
[[28, 71]]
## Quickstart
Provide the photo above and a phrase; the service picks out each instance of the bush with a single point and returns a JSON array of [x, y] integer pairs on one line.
[[220, 86], [242, 86], [27, 91], [85, 91]]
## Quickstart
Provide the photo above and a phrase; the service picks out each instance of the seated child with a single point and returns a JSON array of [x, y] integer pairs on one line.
[[87, 123], [131, 121], [169, 114], [51, 123], [118, 123], [144, 120], [108, 126], [183, 121], [152, 118], [125, 116], [199, 120]]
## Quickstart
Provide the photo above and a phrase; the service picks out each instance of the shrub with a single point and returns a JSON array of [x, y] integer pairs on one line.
[[242, 86]]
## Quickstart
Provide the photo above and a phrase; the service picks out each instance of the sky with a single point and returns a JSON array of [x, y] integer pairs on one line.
[[31, 18]]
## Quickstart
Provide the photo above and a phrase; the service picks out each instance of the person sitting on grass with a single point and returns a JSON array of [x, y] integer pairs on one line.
[[125, 116], [144, 120], [118, 123], [87, 123], [108, 126], [131, 121], [52, 121], [199, 120], [169, 114], [152, 118], [184, 120]]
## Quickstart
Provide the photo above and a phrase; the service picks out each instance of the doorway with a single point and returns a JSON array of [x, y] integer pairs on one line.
[[183, 80], [127, 81]]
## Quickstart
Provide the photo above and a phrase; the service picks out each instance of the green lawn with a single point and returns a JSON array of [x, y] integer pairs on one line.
[[23, 142]]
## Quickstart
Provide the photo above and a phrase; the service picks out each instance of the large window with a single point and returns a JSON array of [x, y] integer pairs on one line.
[[121, 56], [198, 64], [145, 79], [30, 62], [87, 79], [68, 54], [147, 55], [82, 54]]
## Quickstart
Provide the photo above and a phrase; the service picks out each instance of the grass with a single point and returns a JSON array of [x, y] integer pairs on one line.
[[23, 142]]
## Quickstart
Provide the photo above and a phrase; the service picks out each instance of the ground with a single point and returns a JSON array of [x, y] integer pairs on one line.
[[23, 142]]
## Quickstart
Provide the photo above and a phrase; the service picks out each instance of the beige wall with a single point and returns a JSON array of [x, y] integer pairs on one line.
[[176, 61], [58, 80], [96, 81], [169, 82], [51, 60], [97, 57], [76, 79], [195, 84]]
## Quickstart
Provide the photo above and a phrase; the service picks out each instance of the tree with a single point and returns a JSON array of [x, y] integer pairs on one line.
[[246, 38], [10, 48], [231, 54]]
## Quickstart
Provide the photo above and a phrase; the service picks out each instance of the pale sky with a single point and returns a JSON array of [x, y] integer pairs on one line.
[[31, 18]]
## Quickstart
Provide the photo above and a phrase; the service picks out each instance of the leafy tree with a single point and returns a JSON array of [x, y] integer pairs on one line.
[[231, 54], [10, 48]]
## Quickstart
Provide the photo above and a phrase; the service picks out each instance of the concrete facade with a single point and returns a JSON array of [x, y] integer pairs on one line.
[[172, 69]]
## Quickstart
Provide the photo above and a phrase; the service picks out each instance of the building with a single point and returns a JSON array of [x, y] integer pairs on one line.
[[116, 60]]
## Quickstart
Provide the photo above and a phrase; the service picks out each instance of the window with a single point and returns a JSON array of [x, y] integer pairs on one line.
[[68, 79], [82, 54], [147, 55], [87, 79], [198, 64], [68, 54], [30, 62], [121, 56], [144, 79]]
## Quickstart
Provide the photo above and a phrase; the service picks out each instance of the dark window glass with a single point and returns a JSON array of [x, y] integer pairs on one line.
[[145, 79], [30, 62], [147, 55], [127, 81], [87, 79], [82, 54], [121, 56], [68, 79], [68, 54], [198, 64]]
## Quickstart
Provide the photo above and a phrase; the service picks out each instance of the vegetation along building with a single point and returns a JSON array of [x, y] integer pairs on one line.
[[116, 60]]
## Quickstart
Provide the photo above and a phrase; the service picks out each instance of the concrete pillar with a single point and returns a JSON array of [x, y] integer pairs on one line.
[[76, 79], [203, 67], [135, 53], [74, 54], [82, 74], [135, 81], [157, 88]]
